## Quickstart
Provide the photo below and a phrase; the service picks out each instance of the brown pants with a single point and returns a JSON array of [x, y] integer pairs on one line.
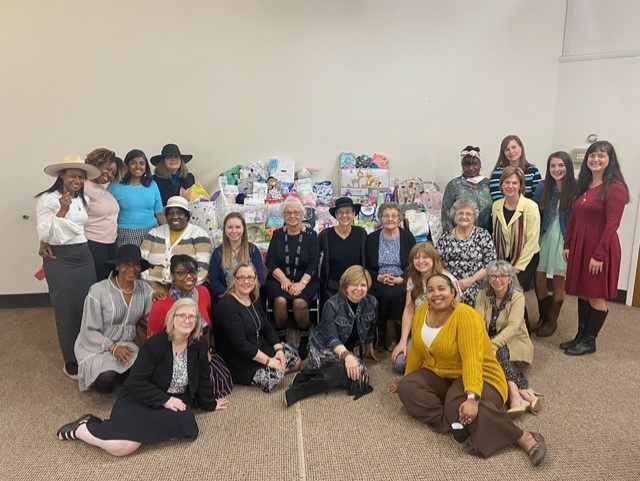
[[435, 401]]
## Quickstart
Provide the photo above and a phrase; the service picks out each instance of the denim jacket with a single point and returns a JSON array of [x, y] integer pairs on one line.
[[337, 323], [547, 216]]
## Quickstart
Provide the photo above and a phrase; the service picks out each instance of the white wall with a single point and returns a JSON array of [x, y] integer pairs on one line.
[[245, 80], [599, 92]]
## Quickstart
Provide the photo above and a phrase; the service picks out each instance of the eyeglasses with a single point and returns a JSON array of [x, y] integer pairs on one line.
[[186, 317], [390, 217], [183, 274], [501, 277], [462, 213], [293, 213], [245, 278]]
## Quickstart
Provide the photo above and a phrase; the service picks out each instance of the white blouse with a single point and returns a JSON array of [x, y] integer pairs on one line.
[[60, 230]]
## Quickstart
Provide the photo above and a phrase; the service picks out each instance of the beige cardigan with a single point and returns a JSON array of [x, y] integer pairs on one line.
[[510, 325]]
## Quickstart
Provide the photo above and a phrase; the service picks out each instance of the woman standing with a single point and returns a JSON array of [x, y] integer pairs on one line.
[[512, 154], [554, 195], [139, 200], [102, 226], [424, 261], [105, 347], [168, 380], [235, 248], [469, 186], [348, 320], [466, 249], [592, 248], [501, 305], [516, 227], [387, 257], [292, 260], [341, 247], [171, 172], [246, 340], [62, 212], [453, 380]]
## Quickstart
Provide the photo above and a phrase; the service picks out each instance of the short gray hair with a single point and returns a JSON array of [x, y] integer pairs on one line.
[[464, 204], [292, 201], [389, 206], [505, 268]]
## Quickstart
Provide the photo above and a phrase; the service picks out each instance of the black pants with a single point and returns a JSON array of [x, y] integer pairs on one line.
[[102, 253]]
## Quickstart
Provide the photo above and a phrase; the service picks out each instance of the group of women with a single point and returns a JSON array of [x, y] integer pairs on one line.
[[367, 284]]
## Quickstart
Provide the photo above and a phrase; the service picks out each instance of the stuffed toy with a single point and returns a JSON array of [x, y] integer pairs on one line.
[[232, 175], [274, 191]]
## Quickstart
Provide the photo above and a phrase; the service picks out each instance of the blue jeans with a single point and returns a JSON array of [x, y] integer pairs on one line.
[[400, 363]]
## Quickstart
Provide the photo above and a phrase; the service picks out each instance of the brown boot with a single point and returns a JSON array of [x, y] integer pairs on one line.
[[543, 309], [552, 321]]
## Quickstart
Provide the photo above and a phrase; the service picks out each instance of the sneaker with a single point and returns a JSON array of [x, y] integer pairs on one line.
[[70, 369]]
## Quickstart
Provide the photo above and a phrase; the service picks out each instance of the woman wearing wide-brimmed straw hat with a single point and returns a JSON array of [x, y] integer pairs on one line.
[[62, 212], [171, 172]]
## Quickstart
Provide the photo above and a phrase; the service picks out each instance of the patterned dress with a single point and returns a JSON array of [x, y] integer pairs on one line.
[[463, 258]]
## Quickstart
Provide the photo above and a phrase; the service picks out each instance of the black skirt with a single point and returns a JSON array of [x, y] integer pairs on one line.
[[133, 421]]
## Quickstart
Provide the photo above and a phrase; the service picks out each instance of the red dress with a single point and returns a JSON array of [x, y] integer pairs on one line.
[[161, 307], [592, 232]]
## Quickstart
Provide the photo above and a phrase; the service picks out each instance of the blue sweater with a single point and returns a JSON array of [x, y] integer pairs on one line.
[[138, 205]]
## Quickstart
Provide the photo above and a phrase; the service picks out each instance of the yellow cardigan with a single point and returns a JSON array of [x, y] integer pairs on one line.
[[528, 209], [461, 348]]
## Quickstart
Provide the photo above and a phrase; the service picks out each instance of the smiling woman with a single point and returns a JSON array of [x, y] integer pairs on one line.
[[62, 212]]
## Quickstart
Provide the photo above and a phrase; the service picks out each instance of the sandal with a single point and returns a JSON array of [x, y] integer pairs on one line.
[[539, 450], [534, 400], [68, 431]]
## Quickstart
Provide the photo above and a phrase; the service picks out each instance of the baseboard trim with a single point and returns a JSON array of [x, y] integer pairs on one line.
[[23, 301], [621, 298]]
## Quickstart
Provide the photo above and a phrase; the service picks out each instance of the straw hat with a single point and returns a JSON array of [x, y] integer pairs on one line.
[[72, 161]]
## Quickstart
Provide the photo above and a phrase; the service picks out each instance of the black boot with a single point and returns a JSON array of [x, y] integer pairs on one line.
[[587, 343], [320, 382], [303, 347], [584, 309], [543, 309]]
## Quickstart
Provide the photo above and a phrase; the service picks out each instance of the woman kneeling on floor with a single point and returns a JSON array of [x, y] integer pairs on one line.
[[348, 319], [168, 379], [453, 380]]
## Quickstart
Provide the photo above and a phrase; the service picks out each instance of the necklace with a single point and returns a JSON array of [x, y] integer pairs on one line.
[[256, 320], [291, 273], [468, 236], [124, 290]]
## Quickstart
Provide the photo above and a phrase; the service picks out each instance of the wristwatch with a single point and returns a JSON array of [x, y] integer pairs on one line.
[[474, 396]]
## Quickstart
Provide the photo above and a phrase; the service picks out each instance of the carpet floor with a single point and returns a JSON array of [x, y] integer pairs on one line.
[[590, 418]]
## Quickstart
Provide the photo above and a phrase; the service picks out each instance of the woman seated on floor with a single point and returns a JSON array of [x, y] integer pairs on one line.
[[245, 339], [348, 319], [168, 380], [501, 304], [105, 347], [453, 380], [424, 261]]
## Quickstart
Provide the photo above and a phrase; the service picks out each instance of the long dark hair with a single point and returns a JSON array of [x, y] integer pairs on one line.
[[611, 174], [568, 193], [146, 178], [57, 186]]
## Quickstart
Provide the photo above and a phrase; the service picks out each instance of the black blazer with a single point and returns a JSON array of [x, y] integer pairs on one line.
[[372, 247], [152, 370]]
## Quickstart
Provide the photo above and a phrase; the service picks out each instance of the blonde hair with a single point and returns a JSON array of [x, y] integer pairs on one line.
[[196, 333], [243, 251], [352, 276], [432, 253], [254, 295], [162, 172]]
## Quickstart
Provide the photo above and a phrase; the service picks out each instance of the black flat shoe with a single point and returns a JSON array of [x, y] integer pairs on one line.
[[68, 431]]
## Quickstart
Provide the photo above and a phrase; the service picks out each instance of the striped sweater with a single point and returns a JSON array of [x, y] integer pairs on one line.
[[462, 348], [156, 248]]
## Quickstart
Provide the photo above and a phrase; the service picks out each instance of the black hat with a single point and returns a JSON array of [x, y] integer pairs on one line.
[[129, 253], [344, 202], [170, 150]]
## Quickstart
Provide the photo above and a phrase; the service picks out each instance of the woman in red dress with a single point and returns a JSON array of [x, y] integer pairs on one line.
[[591, 245]]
